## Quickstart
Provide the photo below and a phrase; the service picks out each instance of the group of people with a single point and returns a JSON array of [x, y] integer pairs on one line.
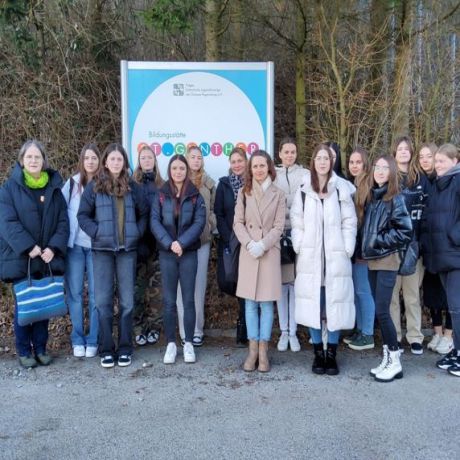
[[333, 252]]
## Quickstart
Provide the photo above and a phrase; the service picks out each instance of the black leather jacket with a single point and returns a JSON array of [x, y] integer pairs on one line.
[[387, 226]]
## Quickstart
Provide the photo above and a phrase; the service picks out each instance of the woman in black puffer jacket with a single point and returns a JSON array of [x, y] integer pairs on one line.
[[34, 224]]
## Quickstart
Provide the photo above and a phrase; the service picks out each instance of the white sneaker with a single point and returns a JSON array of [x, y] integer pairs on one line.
[[79, 351], [382, 364], [294, 343], [170, 354], [283, 342], [445, 345], [91, 352], [392, 369], [434, 342], [189, 353]]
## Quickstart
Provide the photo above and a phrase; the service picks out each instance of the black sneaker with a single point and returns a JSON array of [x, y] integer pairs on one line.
[[416, 348], [448, 361], [455, 369], [124, 360], [107, 361], [197, 341]]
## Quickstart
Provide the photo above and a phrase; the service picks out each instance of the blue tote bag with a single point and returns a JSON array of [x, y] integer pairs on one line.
[[41, 299]]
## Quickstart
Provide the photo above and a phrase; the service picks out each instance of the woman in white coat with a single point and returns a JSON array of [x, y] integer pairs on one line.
[[323, 221]]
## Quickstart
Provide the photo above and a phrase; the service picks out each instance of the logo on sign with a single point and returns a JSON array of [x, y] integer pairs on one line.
[[178, 89]]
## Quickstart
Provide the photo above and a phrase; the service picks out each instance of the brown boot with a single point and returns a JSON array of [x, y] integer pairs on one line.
[[250, 363], [264, 363]]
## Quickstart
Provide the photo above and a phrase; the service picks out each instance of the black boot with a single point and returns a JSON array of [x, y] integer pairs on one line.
[[319, 363], [331, 363]]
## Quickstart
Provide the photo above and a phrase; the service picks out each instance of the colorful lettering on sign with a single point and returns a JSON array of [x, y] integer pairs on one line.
[[215, 149]]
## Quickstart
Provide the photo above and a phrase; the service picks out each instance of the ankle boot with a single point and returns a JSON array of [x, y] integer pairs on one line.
[[331, 363], [241, 332], [253, 353], [319, 363], [383, 363], [264, 363], [392, 370]]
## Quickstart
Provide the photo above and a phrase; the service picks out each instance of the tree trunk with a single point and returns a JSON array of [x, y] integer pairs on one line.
[[212, 26]]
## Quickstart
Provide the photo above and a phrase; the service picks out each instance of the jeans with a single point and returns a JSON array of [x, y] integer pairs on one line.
[[286, 309], [451, 282], [108, 267], [364, 303], [382, 284], [259, 330], [79, 260], [176, 269]]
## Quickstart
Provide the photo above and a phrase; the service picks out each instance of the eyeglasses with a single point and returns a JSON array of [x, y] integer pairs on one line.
[[381, 168]]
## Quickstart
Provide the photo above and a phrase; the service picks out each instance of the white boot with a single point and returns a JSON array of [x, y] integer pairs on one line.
[[392, 369], [383, 363]]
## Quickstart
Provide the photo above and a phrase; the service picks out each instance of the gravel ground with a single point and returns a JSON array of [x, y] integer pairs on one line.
[[211, 410]]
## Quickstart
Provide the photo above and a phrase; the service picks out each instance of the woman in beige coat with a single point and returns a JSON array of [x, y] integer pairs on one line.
[[259, 222]]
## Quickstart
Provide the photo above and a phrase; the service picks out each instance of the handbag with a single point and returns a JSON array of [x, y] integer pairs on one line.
[[41, 299], [287, 251], [231, 259]]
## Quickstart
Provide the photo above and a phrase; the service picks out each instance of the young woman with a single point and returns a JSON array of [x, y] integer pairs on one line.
[[224, 209], [441, 241], [35, 226], [434, 295], [260, 214], [289, 177], [386, 229], [113, 213], [414, 188], [177, 220], [363, 338], [323, 223], [206, 187], [147, 321], [79, 260]]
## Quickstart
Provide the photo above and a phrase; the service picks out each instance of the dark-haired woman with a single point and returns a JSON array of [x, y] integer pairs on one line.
[[386, 229], [34, 227], [323, 223], [113, 213], [260, 213], [177, 219]]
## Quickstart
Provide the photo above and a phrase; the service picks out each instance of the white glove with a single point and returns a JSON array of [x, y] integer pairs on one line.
[[257, 249]]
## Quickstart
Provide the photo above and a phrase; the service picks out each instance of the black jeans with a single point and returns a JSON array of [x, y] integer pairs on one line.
[[451, 282], [382, 284], [176, 269]]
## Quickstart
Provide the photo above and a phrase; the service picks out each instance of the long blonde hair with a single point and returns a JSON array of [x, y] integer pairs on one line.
[[413, 175], [195, 177], [138, 173]]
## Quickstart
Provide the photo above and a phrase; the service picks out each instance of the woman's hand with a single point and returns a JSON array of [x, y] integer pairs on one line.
[[36, 251], [47, 255], [176, 248]]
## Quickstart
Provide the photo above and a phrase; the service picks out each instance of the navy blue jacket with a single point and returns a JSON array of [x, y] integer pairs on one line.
[[22, 226], [224, 209], [441, 224], [190, 222], [97, 217]]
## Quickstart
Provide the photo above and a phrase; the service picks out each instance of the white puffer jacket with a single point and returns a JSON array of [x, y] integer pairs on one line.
[[330, 225]]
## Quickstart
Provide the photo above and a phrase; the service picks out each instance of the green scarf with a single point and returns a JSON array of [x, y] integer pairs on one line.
[[33, 183]]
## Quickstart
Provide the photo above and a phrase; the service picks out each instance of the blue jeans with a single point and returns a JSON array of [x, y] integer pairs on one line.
[[364, 302], [259, 330], [316, 334], [108, 267], [79, 260], [175, 269]]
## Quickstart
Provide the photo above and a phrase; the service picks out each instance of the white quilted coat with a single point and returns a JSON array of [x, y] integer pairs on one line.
[[333, 225]]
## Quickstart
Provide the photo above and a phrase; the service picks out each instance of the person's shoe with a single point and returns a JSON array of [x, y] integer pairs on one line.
[[79, 351], [446, 345], [197, 341], [91, 351], [363, 342], [400, 348], [189, 353], [283, 341], [253, 354], [124, 360], [331, 366], [107, 361], [28, 362], [319, 363], [392, 369], [294, 343], [383, 363], [170, 353], [141, 340], [455, 369], [153, 337], [416, 348], [434, 342], [264, 363], [44, 359], [352, 337], [447, 361]]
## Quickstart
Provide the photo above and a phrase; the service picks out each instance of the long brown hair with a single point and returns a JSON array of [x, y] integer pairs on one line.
[[313, 173], [413, 174], [366, 183], [138, 174], [172, 185], [195, 178], [365, 159], [105, 182], [247, 189], [81, 164]]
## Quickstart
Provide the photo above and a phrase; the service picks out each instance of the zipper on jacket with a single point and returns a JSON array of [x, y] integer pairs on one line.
[[287, 179]]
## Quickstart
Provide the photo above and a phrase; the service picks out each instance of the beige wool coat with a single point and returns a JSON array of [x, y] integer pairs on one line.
[[260, 279]]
